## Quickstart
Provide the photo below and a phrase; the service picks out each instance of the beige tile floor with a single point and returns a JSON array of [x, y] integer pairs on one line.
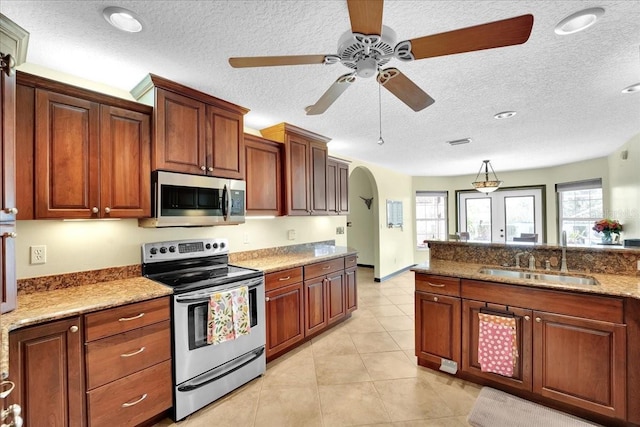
[[361, 372]]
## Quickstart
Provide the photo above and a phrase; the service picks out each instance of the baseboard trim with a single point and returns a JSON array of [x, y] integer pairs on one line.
[[365, 265], [389, 276]]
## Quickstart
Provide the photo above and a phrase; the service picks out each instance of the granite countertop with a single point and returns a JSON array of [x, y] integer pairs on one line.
[[608, 284], [283, 261], [41, 307]]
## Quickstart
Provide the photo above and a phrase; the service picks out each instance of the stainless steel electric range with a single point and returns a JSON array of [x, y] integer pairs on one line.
[[196, 269]]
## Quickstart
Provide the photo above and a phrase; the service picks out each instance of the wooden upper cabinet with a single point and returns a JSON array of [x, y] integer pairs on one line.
[[67, 156], [125, 144], [337, 187], [264, 175], [343, 188], [305, 168], [7, 147], [193, 132], [82, 154]]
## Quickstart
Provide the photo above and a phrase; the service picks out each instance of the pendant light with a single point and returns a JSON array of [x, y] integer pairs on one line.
[[488, 185], [380, 140]]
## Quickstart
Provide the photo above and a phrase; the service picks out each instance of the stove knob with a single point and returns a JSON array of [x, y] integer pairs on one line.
[[215, 246], [163, 250], [222, 245], [208, 246], [172, 249], [153, 251]]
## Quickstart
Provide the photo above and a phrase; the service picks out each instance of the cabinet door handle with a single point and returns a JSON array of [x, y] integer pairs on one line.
[[126, 319], [134, 353], [527, 318], [95, 209], [284, 278], [203, 168], [435, 299], [435, 285], [107, 210], [538, 319], [135, 402], [11, 211], [73, 329], [8, 391], [210, 169], [267, 299]]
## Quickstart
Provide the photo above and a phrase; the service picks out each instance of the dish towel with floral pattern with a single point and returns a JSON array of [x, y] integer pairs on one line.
[[497, 349], [228, 315]]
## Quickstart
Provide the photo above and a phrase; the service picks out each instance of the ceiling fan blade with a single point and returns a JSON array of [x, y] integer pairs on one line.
[[366, 16], [271, 61], [507, 32], [329, 97], [404, 89]]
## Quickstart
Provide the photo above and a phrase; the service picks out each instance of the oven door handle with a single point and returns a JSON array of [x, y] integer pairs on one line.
[[215, 375], [204, 296]]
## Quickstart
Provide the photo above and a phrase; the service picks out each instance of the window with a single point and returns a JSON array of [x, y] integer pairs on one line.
[[431, 216], [579, 206]]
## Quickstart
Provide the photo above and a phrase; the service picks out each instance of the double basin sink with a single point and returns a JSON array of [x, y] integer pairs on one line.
[[542, 277]]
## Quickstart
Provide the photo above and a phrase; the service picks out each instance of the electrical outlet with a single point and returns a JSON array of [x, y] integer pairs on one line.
[[291, 234], [38, 254], [339, 230], [246, 238]]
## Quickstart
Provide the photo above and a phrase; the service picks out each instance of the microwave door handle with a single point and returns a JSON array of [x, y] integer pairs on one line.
[[226, 205]]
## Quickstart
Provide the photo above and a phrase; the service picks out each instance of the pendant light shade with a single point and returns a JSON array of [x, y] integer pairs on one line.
[[488, 185]]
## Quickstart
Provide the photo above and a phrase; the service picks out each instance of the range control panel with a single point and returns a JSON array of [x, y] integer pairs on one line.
[[183, 249]]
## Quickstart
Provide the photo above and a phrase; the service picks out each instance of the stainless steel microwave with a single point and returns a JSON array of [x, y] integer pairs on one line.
[[183, 200]]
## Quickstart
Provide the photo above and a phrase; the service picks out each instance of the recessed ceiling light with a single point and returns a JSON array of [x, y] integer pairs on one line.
[[459, 141], [504, 115], [632, 88], [122, 19], [579, 21]]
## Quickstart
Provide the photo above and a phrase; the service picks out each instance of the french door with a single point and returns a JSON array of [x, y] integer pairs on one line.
[[500, 216]]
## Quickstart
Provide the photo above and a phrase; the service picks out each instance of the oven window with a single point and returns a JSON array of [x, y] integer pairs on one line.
[[198, 315]]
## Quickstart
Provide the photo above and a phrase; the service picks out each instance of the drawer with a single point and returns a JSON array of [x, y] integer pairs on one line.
[[350, 261], [323, 268], [438, 284], [132, 399], [127, 353], [125, 318], [282, 278]]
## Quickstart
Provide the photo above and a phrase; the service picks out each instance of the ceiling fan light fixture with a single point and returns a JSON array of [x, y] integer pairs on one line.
[[505, 115], [579, 21], [122, 19], [632, 89], [487, 185]]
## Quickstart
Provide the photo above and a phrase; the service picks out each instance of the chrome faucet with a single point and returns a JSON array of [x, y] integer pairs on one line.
[[518, 258], [532, 262], [563, 263]]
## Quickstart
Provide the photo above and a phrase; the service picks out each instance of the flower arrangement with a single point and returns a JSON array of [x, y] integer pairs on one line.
[[608, 227]]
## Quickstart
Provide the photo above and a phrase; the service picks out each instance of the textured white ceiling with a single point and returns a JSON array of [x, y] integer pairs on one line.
[[566, 89]]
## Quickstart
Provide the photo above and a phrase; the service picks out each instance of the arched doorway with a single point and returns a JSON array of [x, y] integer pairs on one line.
[[363, 233]]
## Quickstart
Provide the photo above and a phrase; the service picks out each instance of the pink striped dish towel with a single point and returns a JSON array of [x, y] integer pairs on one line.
[[497, 349], [228, 315]]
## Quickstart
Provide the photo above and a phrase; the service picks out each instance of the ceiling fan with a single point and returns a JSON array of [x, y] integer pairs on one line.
[[369, 46]]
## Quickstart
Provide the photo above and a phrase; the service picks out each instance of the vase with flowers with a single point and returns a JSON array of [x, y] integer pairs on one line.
[[608, 228]]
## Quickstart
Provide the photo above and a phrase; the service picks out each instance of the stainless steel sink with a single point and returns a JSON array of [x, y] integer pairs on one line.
[[543, 277]]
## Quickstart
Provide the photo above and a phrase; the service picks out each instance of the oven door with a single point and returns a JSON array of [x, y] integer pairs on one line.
[[192, 354]]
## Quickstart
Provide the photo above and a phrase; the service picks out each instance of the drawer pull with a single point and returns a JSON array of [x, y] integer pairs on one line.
[[6, 387], [435, 299], [128, 404], [126, 319], [134, 353], [435, 285], [327, 267], [284, 278]]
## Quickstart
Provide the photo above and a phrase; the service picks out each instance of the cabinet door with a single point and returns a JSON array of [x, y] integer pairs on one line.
[[298, 176], [333, 193], [67, 156], [581, 362], [318, 178], [180, 133], [315, 305], [336, 303], [343, 189], [351, 289], [470, 331], [8, 291], [285, 318], [264, 176], [225, 143], [125, 175], [437, 327], [47, 366], [7, 147]]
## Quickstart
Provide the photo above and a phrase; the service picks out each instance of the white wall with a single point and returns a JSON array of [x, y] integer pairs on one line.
[[91, 245], [624, 182]]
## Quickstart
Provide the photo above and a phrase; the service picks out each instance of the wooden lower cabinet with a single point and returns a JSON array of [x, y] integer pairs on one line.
[[285, 317], [315, 306], [437, 327], [47, 366], [336, 304], [351, 289]]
